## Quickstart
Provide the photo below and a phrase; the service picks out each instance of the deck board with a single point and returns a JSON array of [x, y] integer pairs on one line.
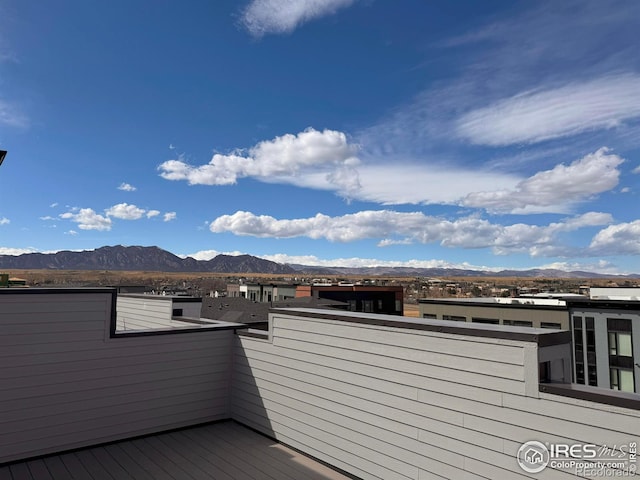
[[217, 451], [39, 470]]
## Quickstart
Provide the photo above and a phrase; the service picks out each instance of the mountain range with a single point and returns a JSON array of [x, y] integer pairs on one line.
[[136, 258]]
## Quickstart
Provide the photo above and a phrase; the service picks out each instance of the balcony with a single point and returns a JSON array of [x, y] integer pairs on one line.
[[371, 396]]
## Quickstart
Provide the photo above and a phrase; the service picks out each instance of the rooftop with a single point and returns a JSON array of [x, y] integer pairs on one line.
[[219, 451], [365, 395]]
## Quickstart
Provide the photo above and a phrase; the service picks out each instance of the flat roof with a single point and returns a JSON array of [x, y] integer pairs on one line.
[[541, 336], [174, 298], [513, 302]]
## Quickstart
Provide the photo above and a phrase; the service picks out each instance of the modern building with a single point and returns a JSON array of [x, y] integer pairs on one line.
[[319, 395], [354, 298], [522, 312], [359, 298], [605, 332], [614, 293], [606, 343], [259, 292]]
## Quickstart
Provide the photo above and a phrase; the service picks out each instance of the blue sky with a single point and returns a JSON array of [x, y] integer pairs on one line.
[[491, 135]]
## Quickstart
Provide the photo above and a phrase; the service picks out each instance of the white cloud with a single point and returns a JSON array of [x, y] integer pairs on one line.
[[554, 190], [261, 17], [170, 216], [48, 218], [601, 266], [388, 242], [535, 116], [124, 211], [127, 187], [356, 262], [4, 221], [620, 239], [327, 161], [283, 156], [11, 116], [152, 213], [395, 183], [71, 232], [54, 204], [409, 227], [88, 219], [16, 251], [209, 254], [636, 170]]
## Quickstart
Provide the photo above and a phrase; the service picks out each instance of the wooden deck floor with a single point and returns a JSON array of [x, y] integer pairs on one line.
[[223, 450]]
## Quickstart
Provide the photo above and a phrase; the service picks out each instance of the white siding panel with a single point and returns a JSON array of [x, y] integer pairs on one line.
[[431, 370], [449, 360], [66, 384], [355, 395], [407, 338]]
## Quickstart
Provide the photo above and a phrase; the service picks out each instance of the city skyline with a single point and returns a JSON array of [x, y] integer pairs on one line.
[[489, 136]]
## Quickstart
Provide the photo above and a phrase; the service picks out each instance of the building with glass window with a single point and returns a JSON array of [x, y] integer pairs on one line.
[[606, 343], [517, 312]]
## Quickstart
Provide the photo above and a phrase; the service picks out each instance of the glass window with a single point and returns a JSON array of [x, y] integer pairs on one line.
[[620, 344], [550, 325], [518, 323], [624, 345], [622, 379], [493, 321]]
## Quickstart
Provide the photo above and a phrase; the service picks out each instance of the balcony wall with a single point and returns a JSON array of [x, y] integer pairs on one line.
[[66, 382], [406, 400]]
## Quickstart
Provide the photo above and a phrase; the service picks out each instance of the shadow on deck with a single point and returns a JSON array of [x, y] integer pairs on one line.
[[223, 450]]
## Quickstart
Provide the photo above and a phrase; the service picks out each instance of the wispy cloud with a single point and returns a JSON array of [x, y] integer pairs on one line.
[[555, 190], [12, 116], [262, 17], [551, 71], [169, 216], [152, 213], [127, 187], [535, 116], [4, 221]]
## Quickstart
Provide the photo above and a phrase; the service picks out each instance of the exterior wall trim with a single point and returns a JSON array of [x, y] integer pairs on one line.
[[542, 339], [593, 394]]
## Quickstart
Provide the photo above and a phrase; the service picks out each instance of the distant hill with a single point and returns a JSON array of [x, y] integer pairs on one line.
[[158, 260], [139, 258], [449, 272]]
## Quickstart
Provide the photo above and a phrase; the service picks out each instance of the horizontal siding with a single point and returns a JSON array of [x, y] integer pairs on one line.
[[66, 384], [383, 402], [140, 314]]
